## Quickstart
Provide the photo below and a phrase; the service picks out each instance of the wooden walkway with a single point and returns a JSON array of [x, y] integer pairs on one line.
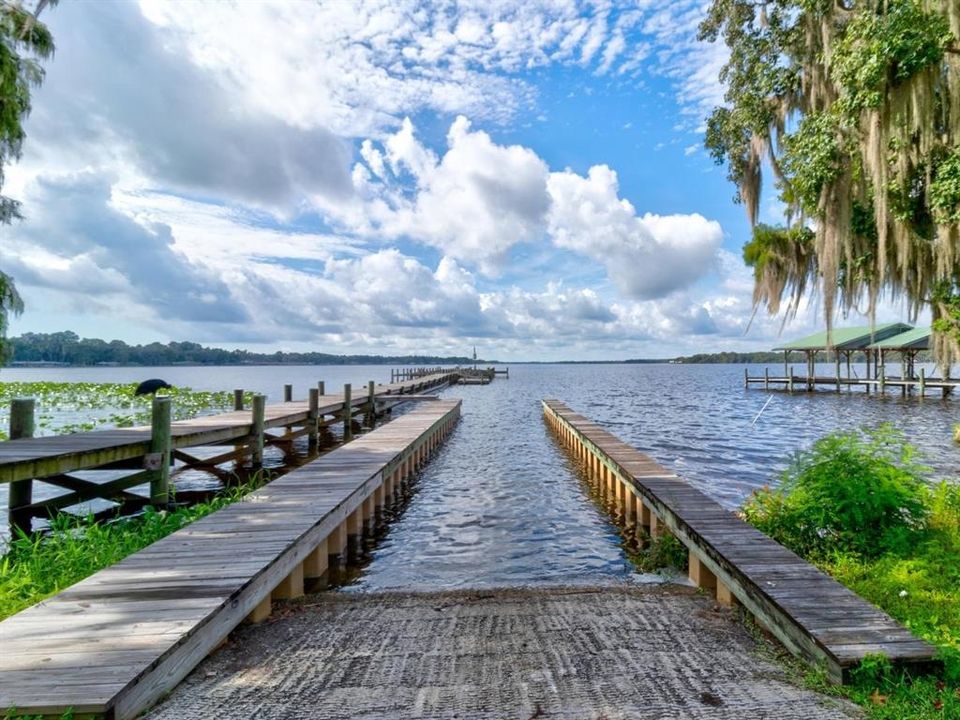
[[39, 457], [114, 643], [812, 614]]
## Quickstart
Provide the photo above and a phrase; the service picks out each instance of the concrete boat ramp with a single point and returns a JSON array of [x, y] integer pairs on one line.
[[574, 653]]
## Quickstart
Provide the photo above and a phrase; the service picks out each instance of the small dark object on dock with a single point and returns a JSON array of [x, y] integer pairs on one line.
[[708, 698], [150, 387]]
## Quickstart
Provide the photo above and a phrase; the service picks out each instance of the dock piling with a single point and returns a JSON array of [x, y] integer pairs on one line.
[[288, 393], [259, 416], [313, 418], [238, 399], [21, 491], [347, 412], [322, 387], [160, 451]]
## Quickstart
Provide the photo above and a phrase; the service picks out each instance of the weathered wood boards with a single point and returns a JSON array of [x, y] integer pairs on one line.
[[117, 641], [812, 614], [40, 457]]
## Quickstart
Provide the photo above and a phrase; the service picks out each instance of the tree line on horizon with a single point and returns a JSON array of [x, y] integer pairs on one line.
[[69, 349]]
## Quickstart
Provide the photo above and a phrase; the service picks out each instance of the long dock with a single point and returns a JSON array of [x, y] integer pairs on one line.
[[152, 449], [812, 614], [115, 642], [880, 384]]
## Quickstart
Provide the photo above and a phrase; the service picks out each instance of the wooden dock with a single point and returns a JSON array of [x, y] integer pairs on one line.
[[151, 450], [812, 614], [117, 641], [881, 384]]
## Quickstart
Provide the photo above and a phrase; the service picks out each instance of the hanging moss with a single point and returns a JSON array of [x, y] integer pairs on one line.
[[855, 106]]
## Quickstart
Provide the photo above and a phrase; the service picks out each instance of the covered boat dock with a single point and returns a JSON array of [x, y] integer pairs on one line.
[[875, 344]]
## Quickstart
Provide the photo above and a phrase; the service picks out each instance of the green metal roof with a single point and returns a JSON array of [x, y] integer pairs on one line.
[[852, 338], [916, 339]]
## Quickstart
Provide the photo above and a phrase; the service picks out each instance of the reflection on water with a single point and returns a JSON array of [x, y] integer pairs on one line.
[[501, 504]]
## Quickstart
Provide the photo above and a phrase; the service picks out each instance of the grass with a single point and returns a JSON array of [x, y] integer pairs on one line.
[[858, 506], [36, 567]]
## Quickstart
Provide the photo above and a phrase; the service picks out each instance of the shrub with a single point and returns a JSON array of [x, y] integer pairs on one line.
[[860, 492]]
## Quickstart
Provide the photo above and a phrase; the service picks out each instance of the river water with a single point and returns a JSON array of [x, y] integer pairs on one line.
[[501, 504]]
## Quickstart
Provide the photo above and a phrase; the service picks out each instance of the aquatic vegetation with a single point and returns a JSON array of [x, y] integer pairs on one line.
[[857, 506], [67, 407]]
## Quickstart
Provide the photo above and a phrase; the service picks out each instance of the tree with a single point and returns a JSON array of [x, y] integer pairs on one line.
[[24, 41], [854, 106]]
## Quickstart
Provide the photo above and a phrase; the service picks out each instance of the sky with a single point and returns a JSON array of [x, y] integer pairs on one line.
[[386, 177]]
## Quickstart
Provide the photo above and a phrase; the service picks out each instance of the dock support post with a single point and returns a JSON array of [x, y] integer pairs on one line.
[[261, 612], [288, 393], [766, 378], [923, 381], [883, 378], [321, 387], [315, 567], [354, 535], [291, 586], [313, 416], [21, 491], [724, 596], [160, 446], [699, 574], [336, 546], [837, 357], [371, 406], [746, 377], [347, 412], [238, 399], [790, 381], [259, 418]]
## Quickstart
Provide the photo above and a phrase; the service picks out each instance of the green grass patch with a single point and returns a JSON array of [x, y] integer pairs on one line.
[[859, 506], [38, 566]]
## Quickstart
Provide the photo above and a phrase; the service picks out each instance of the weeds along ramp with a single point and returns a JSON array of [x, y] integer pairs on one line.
[[574, 653]]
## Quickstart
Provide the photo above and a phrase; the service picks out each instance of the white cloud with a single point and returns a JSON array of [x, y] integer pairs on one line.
[[646, 257]]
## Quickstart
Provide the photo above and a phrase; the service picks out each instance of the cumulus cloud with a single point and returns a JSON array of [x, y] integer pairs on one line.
[[646, 257], [145, 109], [88, 247]]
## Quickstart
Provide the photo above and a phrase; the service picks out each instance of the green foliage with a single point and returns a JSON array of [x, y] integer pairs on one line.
[[910, 569], [38, 566], [812, 158], [661, 552], [80, 406], [770, 245], [68, 348], [859, 492], [882, 49], [944, 191]]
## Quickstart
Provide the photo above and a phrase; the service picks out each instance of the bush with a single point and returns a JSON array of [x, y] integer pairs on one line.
[[861, 492]]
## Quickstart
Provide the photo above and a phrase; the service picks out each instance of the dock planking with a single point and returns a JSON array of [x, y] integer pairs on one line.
[[38, 457], [115, 642], [813, 615]]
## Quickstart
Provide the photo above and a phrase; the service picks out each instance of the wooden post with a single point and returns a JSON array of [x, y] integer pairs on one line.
[[21, 491], [322, 387], [238, 399], [259, 416], [347, 412], [766, 378], [746, 378], [313, 417], [315, 566], [837, 358], [923, 380], [785, 372], [288, 393], [371, 406], [160, 446], [790, 380], [883, 378]]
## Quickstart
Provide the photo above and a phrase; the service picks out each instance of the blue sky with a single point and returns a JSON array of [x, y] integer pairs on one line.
[[384, 177]]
